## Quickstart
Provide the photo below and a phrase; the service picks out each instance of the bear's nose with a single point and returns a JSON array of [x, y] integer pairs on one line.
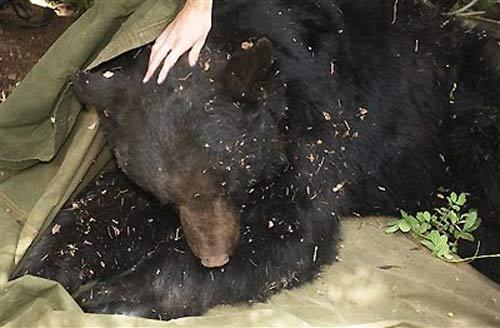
[[77, 76], [215, 261]]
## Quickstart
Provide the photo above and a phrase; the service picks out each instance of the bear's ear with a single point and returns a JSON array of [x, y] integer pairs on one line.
[[113, 83], [246, 67], [103, 89], [93, 88]]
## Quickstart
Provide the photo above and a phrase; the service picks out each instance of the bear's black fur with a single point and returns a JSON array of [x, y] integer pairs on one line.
[[110, 227], [333, 109]]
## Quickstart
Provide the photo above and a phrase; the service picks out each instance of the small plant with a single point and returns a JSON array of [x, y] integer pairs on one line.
[[441, 231]]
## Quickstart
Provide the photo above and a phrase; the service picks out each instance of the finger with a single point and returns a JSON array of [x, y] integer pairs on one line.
[[156, 60], [159, 51], [168, 64], [164, 35], [162, 39], [194, 54]]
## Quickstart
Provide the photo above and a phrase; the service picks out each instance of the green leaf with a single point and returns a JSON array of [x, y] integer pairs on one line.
[[451, 217], [396, 222], [442, 248], [427, 216], [434, 237], [404, 226], [443, 240], [424, 227], [453, 197], [476, 225], [392, 228], [466, 236], [461, 199], [414, 224], [428, 244], [423, 216], [420, 217], [470, 219]]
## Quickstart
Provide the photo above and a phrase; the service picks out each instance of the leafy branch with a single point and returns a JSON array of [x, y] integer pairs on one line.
[[441, 230]]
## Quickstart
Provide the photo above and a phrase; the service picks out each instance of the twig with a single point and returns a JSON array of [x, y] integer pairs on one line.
[[472, 13], [464, 8], [394, 12], [470, 259], [483, 19], [474, 257]]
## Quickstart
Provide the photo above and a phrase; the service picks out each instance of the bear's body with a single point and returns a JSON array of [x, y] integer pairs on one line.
[[299, 113]]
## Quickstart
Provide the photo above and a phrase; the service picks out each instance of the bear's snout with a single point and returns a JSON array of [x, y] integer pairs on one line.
[[211, 230]]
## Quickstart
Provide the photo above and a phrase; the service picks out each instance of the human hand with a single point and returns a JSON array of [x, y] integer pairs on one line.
[[188, 31]]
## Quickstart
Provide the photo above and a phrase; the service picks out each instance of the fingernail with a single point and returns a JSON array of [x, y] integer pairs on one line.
[[144, 80]]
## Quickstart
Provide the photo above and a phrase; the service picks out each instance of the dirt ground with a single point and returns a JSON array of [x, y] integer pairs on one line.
[[22, 47]]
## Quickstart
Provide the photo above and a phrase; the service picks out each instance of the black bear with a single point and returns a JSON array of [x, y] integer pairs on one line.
[[299, 113]]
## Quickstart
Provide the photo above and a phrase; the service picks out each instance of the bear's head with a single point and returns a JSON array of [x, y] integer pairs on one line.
[[209, 140]]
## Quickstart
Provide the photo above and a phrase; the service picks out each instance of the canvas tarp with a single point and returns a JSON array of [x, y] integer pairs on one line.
[[50, 147]]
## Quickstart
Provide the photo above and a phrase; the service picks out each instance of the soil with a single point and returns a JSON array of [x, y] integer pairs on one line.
[[22, 47]]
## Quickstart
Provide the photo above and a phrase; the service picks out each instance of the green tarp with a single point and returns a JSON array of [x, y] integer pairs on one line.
[[379, 281], [50, 147]]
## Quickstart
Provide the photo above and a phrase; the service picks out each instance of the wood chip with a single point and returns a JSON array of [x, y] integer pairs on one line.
[[108, 74], [206, 65], [338, 187], [92, 126], [56, 228], [116, 231], [247, 45], [362, 112], [315, 254]]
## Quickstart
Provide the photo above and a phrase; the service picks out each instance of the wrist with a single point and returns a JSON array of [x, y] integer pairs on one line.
[[200, 4]]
